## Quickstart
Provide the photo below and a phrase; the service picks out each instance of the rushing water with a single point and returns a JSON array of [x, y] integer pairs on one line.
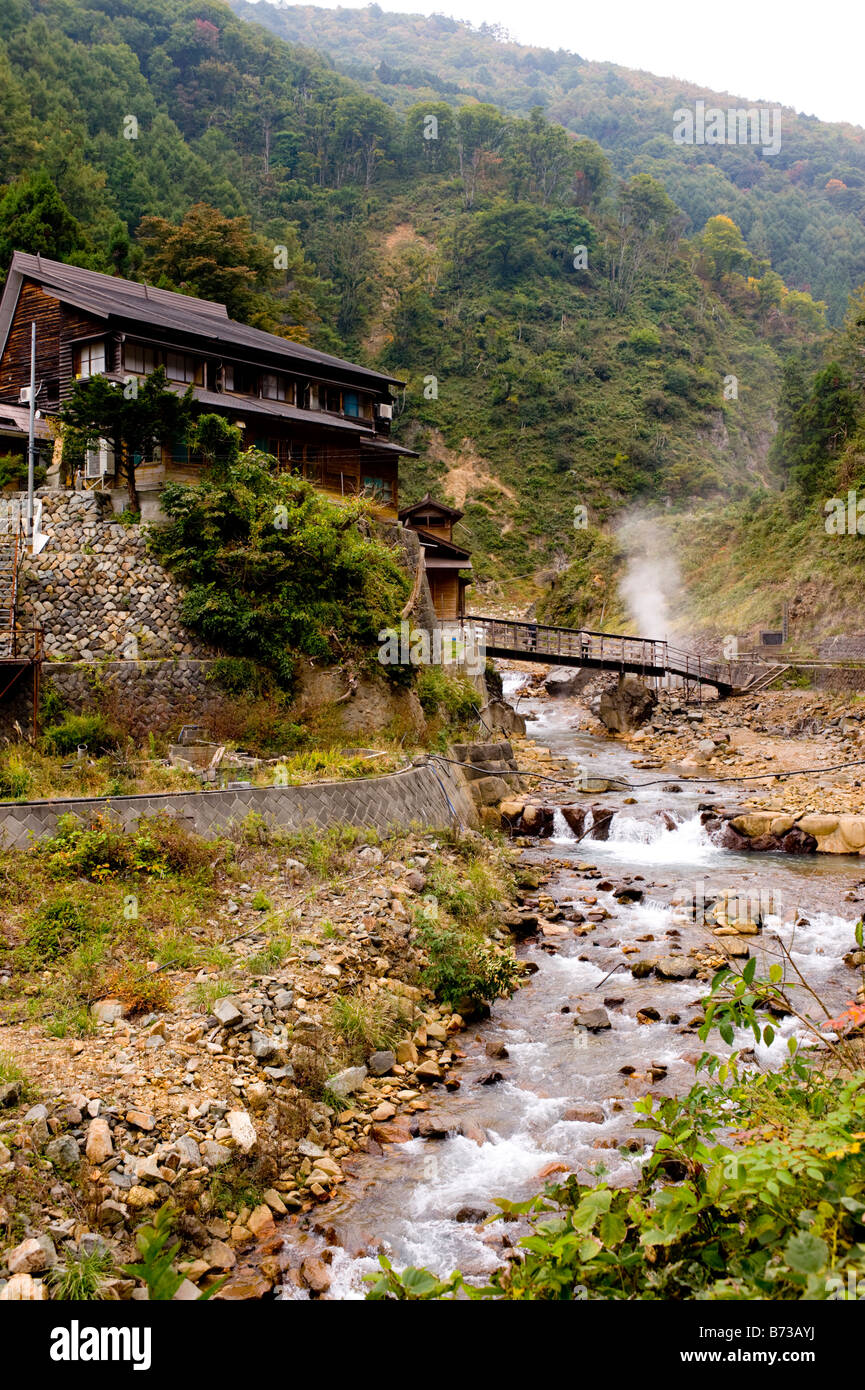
[[423, 1201]]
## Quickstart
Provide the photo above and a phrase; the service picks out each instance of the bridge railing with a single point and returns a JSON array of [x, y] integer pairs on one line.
[[609, 649], [554, 642]]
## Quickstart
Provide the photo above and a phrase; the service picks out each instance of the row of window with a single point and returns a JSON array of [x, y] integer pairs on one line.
[[140, 359]]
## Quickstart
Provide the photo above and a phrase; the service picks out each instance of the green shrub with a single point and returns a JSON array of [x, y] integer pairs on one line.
[[239, 675], [58, 928], [13, 471], [439, 691], [90, 731], [159, 847], [464, 966], [273, 568]]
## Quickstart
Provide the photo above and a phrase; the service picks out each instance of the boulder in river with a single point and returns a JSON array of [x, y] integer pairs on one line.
[[675, 968], [627, 706], [567, 680], [593, 1018]]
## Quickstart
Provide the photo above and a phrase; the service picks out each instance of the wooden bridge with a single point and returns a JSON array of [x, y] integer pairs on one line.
[[599, 651]]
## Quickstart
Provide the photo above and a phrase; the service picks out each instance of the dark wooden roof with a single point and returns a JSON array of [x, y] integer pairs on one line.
[[429, 504], [129, 303], [442, 549]]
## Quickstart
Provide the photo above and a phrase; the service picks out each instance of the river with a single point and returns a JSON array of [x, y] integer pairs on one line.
[[563, 1098]]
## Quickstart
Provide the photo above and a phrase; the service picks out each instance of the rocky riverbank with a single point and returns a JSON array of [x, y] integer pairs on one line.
[[238, 1098]]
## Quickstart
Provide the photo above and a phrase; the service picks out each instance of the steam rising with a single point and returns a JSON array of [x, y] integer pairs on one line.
[[651, 587]]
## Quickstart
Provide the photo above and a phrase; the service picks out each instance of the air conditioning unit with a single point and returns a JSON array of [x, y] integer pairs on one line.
[[24, 395], [385, 412], [99, 461]]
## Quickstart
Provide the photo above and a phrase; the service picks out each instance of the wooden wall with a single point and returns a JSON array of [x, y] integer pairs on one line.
[[55, 325]]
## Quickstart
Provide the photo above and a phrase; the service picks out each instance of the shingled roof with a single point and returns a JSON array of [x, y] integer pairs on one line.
[[128, 302]]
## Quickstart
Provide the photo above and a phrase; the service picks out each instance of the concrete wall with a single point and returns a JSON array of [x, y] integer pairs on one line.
[[423, 795]]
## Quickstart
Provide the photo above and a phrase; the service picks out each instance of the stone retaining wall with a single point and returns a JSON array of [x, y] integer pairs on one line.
[[422, 795], [159, 695], [95, 586]]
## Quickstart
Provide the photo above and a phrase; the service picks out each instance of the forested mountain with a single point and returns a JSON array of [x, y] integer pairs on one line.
[[802, 208], [565, 344]]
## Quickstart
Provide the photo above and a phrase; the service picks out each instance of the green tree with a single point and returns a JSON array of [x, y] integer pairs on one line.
[[481, 133], [216, 257], [34, 218], [724, 247], [132, 419], [273, 568]]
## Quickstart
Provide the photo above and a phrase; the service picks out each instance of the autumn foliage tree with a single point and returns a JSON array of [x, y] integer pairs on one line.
[[261, 282]]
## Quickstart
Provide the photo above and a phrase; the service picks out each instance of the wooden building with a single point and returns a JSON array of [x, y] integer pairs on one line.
[[318, 415], [445, 562]]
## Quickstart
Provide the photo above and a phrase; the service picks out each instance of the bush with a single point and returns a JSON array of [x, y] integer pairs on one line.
[[441, 692], [463, 966], [238, 675], [90, 731], [58, 928], [141, 990], [159, 847]]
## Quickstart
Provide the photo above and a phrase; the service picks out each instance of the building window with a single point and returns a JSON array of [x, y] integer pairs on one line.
[[331, 399], [241, 380], [351, 403], [90, 359], [180, 366], [139, 359], [272, 386], [377, 489]]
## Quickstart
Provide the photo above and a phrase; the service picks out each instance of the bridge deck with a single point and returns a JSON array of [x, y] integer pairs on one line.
[[600, 651]]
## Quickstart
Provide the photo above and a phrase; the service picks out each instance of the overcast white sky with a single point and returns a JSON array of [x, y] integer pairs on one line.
[[801, 53]]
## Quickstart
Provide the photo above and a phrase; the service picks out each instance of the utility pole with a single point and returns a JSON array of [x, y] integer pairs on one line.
[[31, 446]]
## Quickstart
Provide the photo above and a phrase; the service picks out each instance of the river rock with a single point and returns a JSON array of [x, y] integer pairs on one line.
[[567, 680], [593, 1018], [315, 1275], [228, 1013], [10, 1094], [99, 1144], [585, 1115], [23, 1288], [31, 1256], [428, 1072], [675, 968], [243, 1131], [344, 1083], [380, 1063], [63, 1151], [107, 1010], [627, 706]]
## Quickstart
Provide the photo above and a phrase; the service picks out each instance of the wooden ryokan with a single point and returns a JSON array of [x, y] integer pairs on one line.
[[319, 415]]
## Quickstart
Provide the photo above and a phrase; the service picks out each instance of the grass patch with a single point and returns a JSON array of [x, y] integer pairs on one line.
[[367, 1023], [271, 956], [204, 994], [81, 1278]]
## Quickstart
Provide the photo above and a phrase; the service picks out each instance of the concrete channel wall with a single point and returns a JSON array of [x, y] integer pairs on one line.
[[427, 794]]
